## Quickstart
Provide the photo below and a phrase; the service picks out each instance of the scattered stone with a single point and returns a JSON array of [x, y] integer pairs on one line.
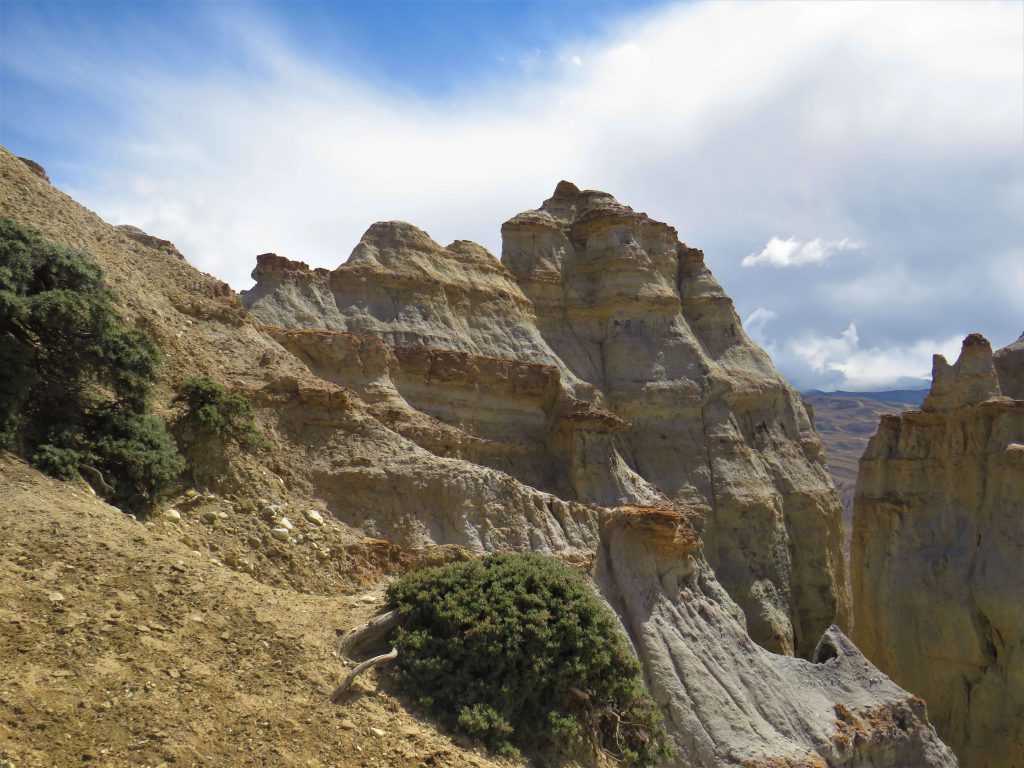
[[314, 517], [377, 732], [281, 534], [348, 725], [268, 514], [285, 523], [172, 515], [209, 517], [56, 597], [191, 493]]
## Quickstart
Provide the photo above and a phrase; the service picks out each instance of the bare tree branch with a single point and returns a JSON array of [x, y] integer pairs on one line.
[[366, 636], [358, 669]]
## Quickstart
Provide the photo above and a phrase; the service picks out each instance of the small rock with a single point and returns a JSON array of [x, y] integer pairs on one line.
[[56, 597], [209, 517], [285, 523], [377, 732], [222, 515], [269, 514], [314, 517], [281, 534], [191, 493], [172, 515], [348, 725], [368, 599]]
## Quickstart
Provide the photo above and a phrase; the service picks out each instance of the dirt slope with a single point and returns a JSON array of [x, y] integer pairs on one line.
[[131, 645]]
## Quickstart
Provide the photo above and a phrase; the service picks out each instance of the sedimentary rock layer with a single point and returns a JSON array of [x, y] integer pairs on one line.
[[600, 361], [340, 404], [937, 554]]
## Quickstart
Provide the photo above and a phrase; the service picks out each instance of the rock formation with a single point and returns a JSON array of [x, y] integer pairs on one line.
[[427, 395], [602, 362], [937, 552]]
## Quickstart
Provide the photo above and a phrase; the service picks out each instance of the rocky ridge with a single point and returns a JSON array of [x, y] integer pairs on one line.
[[360, 427], [601, 362], [937, 543]]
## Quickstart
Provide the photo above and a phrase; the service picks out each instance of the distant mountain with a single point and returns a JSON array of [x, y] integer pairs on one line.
[[903, 396], [846, 422]]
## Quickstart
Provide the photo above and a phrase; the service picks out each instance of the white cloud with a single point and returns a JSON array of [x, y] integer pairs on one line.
[[843, 363], [792, 252], [755, 325], [897, 122]]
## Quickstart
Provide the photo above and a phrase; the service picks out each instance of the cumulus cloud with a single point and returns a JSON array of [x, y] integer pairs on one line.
[[842, 362], [755, 325], [728, 120], [792, 252]]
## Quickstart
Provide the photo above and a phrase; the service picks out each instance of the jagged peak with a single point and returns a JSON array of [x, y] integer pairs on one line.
[[971, 379], [566, 189]]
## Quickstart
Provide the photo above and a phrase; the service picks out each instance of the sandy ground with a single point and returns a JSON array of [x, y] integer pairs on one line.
[[124, 644]]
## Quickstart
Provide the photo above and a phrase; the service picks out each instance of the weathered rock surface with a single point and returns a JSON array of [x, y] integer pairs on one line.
[[729, 702], [361, 426], [636, 314], [601, 362], [938, 553]]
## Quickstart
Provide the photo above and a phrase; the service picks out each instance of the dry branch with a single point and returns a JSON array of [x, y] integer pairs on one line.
[[366, 636], [358, 669]]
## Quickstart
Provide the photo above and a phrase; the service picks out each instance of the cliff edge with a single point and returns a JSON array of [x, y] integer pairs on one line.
[[937, 544]]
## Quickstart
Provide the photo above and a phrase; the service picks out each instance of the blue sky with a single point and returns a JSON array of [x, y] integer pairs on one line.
[[853, 171]]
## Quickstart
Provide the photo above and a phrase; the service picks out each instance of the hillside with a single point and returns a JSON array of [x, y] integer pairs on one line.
[[430, 395], [127, 644]]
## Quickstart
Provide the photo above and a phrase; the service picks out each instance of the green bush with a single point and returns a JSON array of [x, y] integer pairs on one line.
[[518, 651], [212, 411], [77, 382]]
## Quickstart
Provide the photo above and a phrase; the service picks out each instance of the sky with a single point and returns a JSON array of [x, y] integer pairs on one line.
[[853, 171]]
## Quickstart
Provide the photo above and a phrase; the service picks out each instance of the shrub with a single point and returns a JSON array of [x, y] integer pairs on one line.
[[77, 381], [210, 409], [518, 651]]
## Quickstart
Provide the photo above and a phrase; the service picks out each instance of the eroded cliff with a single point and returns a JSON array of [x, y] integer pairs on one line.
[[419, 395], [602, 362], [937, 543]]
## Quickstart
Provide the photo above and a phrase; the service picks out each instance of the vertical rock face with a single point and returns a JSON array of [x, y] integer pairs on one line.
[[938, 542], [602, 362], [636, 314], [595, 396], [338, 387]]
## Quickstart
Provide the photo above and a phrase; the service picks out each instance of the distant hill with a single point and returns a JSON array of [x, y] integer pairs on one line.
[[846, 422], [902, 396]]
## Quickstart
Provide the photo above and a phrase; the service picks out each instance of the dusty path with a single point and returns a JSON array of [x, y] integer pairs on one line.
[[128, 645]]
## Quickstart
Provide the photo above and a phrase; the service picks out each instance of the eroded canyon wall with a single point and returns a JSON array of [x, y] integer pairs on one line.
[[938, 552], [602, 362], [412, 400]]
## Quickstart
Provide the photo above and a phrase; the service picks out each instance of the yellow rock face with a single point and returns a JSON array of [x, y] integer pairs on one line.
[[938, 541]]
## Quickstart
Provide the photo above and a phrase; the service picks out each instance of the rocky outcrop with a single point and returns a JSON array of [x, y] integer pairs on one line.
[[937, 550], [1009, 363], [36, 168], [599, 361], [729, 702], [355, 403], [636, 314]]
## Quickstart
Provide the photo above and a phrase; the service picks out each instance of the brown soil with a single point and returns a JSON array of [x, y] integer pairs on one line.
[[130, 644]]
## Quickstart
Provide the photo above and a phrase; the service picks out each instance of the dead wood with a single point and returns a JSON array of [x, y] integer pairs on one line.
[[358, 669], [366, 637]]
